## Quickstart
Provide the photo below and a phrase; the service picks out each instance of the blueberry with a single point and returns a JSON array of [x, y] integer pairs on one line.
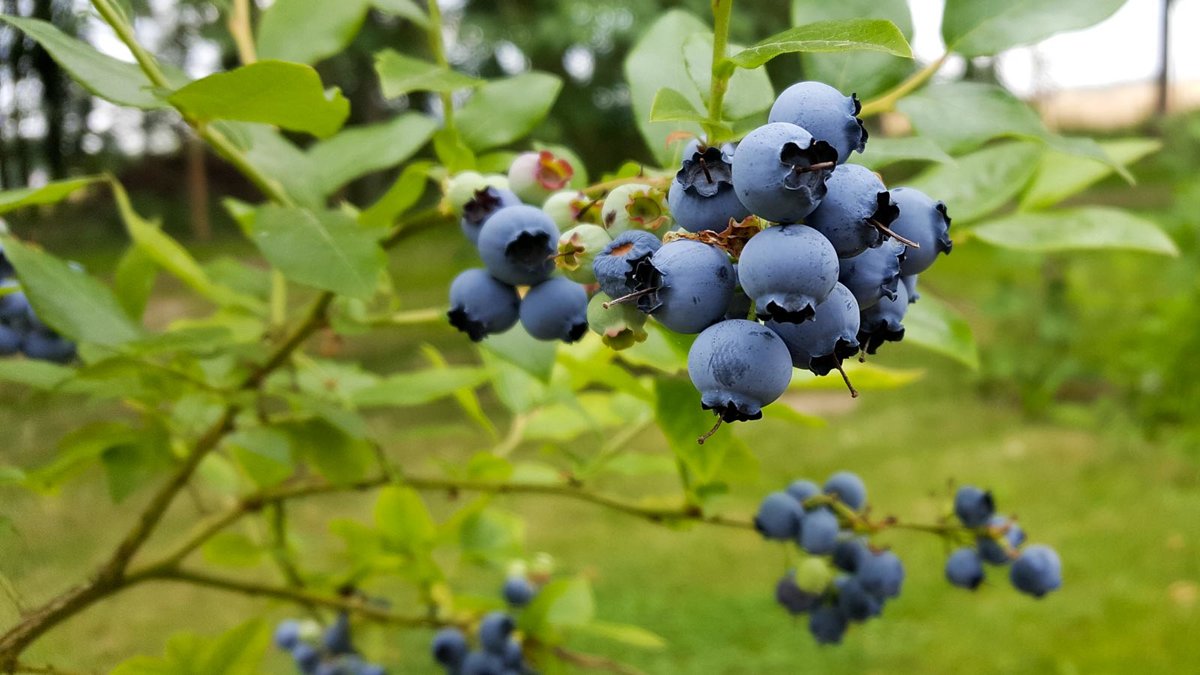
[[855, 211], [829, 114], [483, 205], [779, 172], [702, 195], [803, 490], [991, 550], [827, 625], [925, 222], [848, 488], [883, 322], [614, 266], [518, 591], [287, 635], [739, 366], [513, 657], [854, 602], [555, 309], [483, 663], [686, 285], [577, 251], [881, 574], [10, 340], [307, 657], [534, 176], [791, 597], [873, 274], [14, 306], [788, 270], [964, 568], [337, 637], [910, 285], [481, 306], [46, 345], [450, 647], [820, 345], [619, 326], [517, 245], [974, 507], [740, 304], [819, 531], [568, 208], [849, 554], [6, 267], [370, 669], [494, 630], [1037, 571], [461, 188], [779, 516], [634, 206]]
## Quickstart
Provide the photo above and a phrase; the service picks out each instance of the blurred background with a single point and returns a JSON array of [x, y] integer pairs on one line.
[[1083, 415]]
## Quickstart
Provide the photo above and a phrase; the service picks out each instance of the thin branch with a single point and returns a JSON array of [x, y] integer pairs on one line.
[[595, 662], [886, 102]]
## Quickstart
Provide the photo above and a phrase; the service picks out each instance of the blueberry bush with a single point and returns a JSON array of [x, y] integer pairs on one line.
[[759, 251]]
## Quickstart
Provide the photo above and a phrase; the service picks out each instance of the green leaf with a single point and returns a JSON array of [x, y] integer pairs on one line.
[[503, 111], [627, 634], [50, 193], [671, 106], [876, 35], [1061, 175], [264, 453], [338, 456], [407, 9], [400, 75], [232, 549], [1082, 229], [72, 302], [747, 92], [563, 603], [491, 535], [402, 517], [80, 449], [239, 651], [406, 389], [981, 28], [306, 31], [41, 375], [883, 152], [865, 376], [936, 326], [132, 465], [324, 249], [963, 115], [518, 348], [656, 61], [110, 79], [134, 280], [402, 196], [286, 95], [866, 73], [682, 420], [358, 151], [267, 149], [983, 181]]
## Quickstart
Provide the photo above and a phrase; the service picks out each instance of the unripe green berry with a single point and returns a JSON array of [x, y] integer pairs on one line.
[[635, 206], [814, 575], [569, 208], [462, 188], [534, 176], [577, 248], [619, 326], [541, 568]]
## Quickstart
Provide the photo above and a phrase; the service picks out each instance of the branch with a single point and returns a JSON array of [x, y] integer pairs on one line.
[[595, 662], [886, 102]]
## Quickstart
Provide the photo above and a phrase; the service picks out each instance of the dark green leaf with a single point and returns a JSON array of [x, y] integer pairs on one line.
[[747, 92], [325, 249], [656, 61], [339, 457], [1083, 229], [683, 421], [400, 74], [865, 73], [402, 196], [41, 375], [671, 106], [883, 152], [50, 193], [503, 111], [937, 327], [981, 182], [1061, 175], [876, 35], [307, 31], [358, 151], [130, 466], [416, 388], [983, 27]]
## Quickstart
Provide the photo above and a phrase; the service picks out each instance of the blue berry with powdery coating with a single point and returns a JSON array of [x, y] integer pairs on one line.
[[788, 270], [481, 305], [1037, 571], [848, 488], [819, 531], [827, 625], [964, 568], [802, 490], [821, 344], [827, 113], [483, 663], [702, 195], [287, 635], [337, 637], [494, 630], [517, 245], [773, 172], [910, 285], [483, 205], [371, 669], [518, 592], [450, 647], [555, 309], [791, 597], [974, 507], [10, 340], [614, 265], [853, 600], [856, 208], [884, 322], [924, 221], [513, 656], [306, 656], [739, 366], [991, 550], [850, 553], [881, 574], [873, 274], [779, 516], [686, 285]]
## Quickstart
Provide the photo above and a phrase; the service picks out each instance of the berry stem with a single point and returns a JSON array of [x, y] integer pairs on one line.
[[846, 379], [439, 55], [886, 102], [628, 298], [708, 434], [888, 231], [819, 166]]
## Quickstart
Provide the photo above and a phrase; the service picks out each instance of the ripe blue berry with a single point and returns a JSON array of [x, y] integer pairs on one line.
[[482, 206], [779, 172], [370, 669], [827, 625], [883, 322], [483, 663], [513, 656], [854, 602], [974, 507], [518, 591], [820, 345], [494, 630], [779, 516], [702, 195], [1037, 572], [802, 490], [829, 114], [848, 488], [788, 270], [855, 211], [925, 222], [46, 345], [450, 647], [873, 274], [991, 550], [614, 265], [881, 574], [739, 303], [517, 245], [791, 597], [850, 553], [819, 531], [307, 657], [910, 285], [686, 285], [555, 309], [10, 340], [287, 635], [14, 307], [534, 176], [481, 306], [337, 637], [739, 366], [964, 568]]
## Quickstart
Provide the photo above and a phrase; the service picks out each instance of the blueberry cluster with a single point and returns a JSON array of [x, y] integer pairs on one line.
[[842, 579], [20, 329], [1035, 569], [500, 651], [328, 653]]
